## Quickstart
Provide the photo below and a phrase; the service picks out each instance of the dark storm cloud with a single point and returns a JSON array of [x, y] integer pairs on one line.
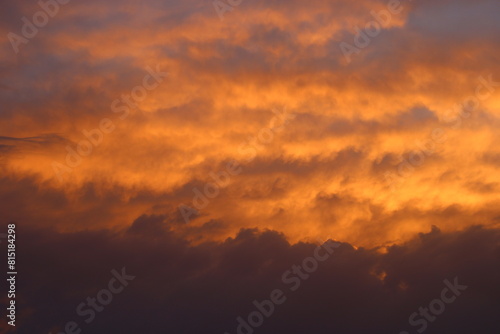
[[203, 289]]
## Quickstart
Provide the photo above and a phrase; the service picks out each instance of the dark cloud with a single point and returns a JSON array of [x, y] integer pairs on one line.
[[37, 144], [181, 288]]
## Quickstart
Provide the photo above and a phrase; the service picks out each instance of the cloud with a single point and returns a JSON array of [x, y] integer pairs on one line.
[[325, 172], [356, 290]]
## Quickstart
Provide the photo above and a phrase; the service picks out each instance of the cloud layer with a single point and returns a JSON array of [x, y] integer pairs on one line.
[[205, 288], [234, 142], [353, 126]]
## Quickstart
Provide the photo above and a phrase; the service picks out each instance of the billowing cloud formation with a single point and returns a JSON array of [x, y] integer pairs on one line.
[[235, 135], [139, 105], [173, 287]]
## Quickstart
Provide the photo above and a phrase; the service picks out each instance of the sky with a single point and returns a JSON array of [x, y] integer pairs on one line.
[[207, 147]]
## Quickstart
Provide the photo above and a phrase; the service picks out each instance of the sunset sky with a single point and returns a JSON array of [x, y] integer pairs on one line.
[[207, 146]]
